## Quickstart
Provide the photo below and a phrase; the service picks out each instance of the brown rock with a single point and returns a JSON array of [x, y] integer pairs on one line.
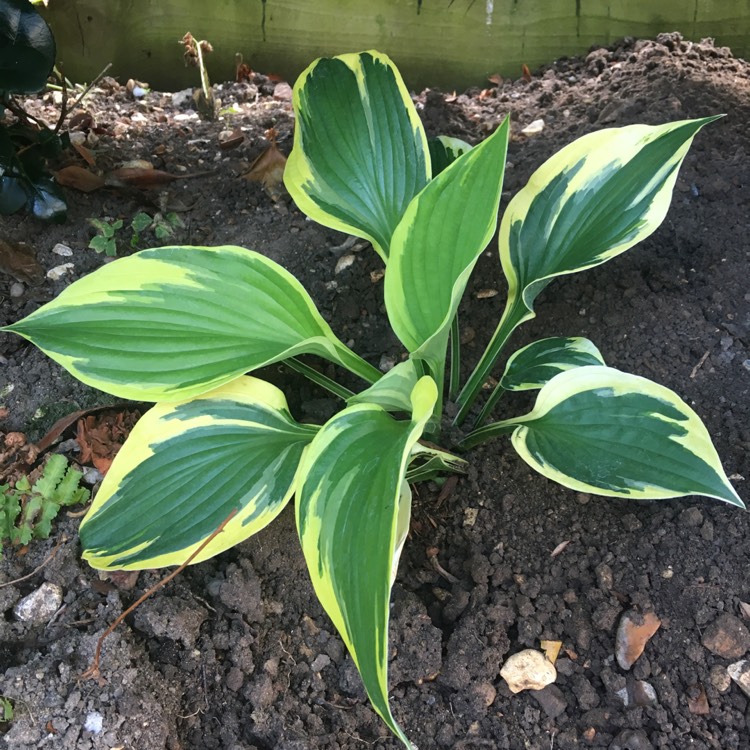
[[727, 637], [633, 633]]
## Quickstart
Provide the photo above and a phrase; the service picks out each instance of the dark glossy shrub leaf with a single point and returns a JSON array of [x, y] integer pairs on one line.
[[27, 48]]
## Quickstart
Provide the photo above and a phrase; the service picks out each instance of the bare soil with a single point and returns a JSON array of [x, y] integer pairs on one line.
[[235, 653]]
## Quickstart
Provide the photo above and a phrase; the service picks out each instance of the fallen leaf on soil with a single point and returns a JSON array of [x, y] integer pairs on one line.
[[62, 424], [18, 260], [81, 121], [551, 649], [633, 633], [229, 139], [268, 169], [699, 703], [495, 78], [85, 154], [526, 73], [145, 179], [124, 580], [16, 455], [79, 178], [101, 436]]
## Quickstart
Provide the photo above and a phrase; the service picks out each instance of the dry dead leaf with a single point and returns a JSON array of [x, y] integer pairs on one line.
[[526, 73], [145, 179], [697, 700], [101, 436], [81, 121], [551, 649], [16, 455], [79, 178], [495, 78], [231, 139], [268, 169], [85, 154], [18, 260]]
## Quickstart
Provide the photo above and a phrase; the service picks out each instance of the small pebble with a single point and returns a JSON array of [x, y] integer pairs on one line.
[[94, 722], [720, 678], [60, 249], [58, 272], [39, 606], [633, 633], [528, 670], [343, 263], [727, 637], [320, 662], [17, 289], [740, 673], [631, 739], [551, 699], [533, 128]]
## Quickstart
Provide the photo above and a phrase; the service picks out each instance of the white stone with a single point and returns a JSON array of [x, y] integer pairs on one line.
[[528, 670], [64, 250], [94, 722], [533, 128], [343, 263], [39, 606], [740, 673], [58, 272], [17, 289]]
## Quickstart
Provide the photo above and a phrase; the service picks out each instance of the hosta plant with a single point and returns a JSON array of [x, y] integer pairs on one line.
[[182, 326]]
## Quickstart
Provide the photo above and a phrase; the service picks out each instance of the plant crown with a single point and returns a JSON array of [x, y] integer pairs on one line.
[[182, 326]]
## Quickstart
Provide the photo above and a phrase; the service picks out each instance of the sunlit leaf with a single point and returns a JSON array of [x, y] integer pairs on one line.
[[360, 153], [185, 467], [350, 518]]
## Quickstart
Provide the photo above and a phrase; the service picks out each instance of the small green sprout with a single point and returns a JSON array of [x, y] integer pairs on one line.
[[104, 241], [27, 510]]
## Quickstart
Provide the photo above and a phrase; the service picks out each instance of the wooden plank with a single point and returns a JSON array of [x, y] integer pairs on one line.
[[434, 42]]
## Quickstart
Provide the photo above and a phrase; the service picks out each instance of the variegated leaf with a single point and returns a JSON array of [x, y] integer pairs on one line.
[[444, 151], [591, 201], [173, 322], [531, 367], [348, 521], [360, 153], [393, 391], [437, 244], [185, 467], [596, 429]]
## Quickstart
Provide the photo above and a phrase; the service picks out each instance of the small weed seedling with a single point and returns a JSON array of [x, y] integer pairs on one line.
[[105, 241], [182, 326], [27, 510], [162, 225], [6, 710]]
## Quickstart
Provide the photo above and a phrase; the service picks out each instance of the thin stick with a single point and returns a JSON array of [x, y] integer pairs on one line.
[[39, 567], [93, 673]]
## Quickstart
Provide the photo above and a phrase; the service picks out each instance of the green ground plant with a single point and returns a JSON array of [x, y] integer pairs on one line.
[[105, 240], [182, 326], [27, 510]]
